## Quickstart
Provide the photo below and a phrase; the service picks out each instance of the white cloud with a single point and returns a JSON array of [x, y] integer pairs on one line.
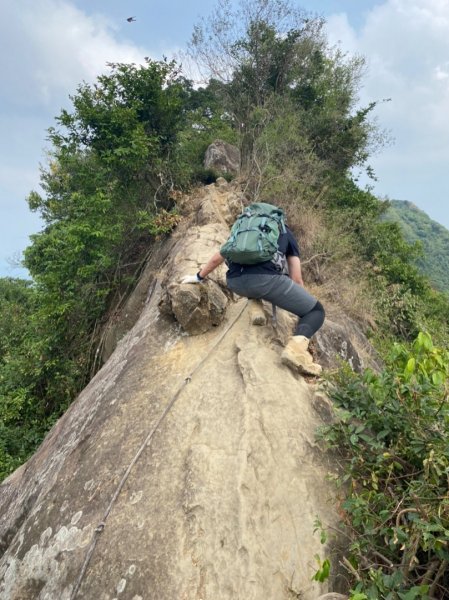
[[47, 48], [341, 33], [441, 72], [50, 46], [406, 44]]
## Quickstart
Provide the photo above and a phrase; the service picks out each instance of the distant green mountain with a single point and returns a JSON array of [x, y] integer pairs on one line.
[[418, 226]]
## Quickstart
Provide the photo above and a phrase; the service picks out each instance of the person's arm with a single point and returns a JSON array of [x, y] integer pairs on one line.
[[214, 261], [294, 269]]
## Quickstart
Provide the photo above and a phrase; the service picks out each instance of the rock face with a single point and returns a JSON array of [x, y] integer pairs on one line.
[[345, 342], [187, 469], [222, 157], [197, 308]]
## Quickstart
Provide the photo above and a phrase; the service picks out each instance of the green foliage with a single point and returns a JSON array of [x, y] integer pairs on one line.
[[284, 164], [392, 433], [324, 566], [205, 121], [106, 197], [326, 95], [271, 61], [323, 571], [402, 296], [379, 243], [16, 303], [19, 429], [417, 227], [130, 115], [260, 50]]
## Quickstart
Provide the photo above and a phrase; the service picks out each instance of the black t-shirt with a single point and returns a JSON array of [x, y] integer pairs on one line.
[[287, 245]]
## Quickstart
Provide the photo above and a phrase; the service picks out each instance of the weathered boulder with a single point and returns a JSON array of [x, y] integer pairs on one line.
[[222, 157], [197, 308], [344, 342], [186, 469]]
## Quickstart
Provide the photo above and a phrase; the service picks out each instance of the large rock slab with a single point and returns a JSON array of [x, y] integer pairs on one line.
[[187, 469], [221, 505], [222, 157]]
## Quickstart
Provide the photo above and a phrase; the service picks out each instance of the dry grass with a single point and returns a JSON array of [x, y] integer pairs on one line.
[[331, 270]]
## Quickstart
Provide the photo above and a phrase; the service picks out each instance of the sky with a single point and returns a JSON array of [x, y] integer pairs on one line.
[[48, 47]]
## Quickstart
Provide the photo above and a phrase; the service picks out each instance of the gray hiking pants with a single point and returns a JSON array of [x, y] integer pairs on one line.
[[282, 292]]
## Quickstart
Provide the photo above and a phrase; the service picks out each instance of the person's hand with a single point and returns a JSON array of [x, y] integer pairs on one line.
[[191, 279]]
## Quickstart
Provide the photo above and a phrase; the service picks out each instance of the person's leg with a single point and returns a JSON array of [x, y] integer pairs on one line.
[[254, 286], [292, 297], [295, 354], [311, 321], [285, 293]]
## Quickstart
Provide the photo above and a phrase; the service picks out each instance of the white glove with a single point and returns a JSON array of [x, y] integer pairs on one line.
[[191, 279]]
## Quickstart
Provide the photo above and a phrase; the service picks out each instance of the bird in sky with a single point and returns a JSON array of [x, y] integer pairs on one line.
[[131, 19]]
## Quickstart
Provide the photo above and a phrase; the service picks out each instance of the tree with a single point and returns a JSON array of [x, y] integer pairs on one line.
[[269, 48], [108, 166], [17, 303], [105, 195], [230, 38]]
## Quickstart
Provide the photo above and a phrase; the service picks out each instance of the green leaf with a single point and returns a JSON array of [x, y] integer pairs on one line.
[[411, 364], [323, 571], [414, 592]]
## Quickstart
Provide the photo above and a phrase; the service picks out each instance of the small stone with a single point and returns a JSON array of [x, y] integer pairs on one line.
[[323, 406], [121, 586], [221, 183], [76, 517]]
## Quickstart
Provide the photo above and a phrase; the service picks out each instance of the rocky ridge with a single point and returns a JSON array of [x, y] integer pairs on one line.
[[188, 467]]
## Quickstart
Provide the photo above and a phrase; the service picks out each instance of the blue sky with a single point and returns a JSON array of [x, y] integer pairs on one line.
[[47, 47]]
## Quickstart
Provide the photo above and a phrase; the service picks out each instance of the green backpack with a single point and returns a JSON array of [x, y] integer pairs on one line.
[[254, 235]]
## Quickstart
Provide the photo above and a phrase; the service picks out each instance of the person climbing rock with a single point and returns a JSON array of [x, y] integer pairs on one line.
[[277, 280]]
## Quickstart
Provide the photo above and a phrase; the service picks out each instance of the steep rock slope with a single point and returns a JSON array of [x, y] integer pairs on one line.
[[187, 469]]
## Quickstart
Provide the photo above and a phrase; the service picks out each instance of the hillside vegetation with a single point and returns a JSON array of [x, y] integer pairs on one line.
[[417, 226], [134, 139]]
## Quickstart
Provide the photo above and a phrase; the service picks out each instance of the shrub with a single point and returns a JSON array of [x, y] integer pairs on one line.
[[392, 435]]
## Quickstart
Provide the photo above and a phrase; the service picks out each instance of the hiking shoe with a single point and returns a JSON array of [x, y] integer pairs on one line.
[[297, 357]]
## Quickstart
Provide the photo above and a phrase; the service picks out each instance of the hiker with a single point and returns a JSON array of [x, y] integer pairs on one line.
[[278, 280]]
